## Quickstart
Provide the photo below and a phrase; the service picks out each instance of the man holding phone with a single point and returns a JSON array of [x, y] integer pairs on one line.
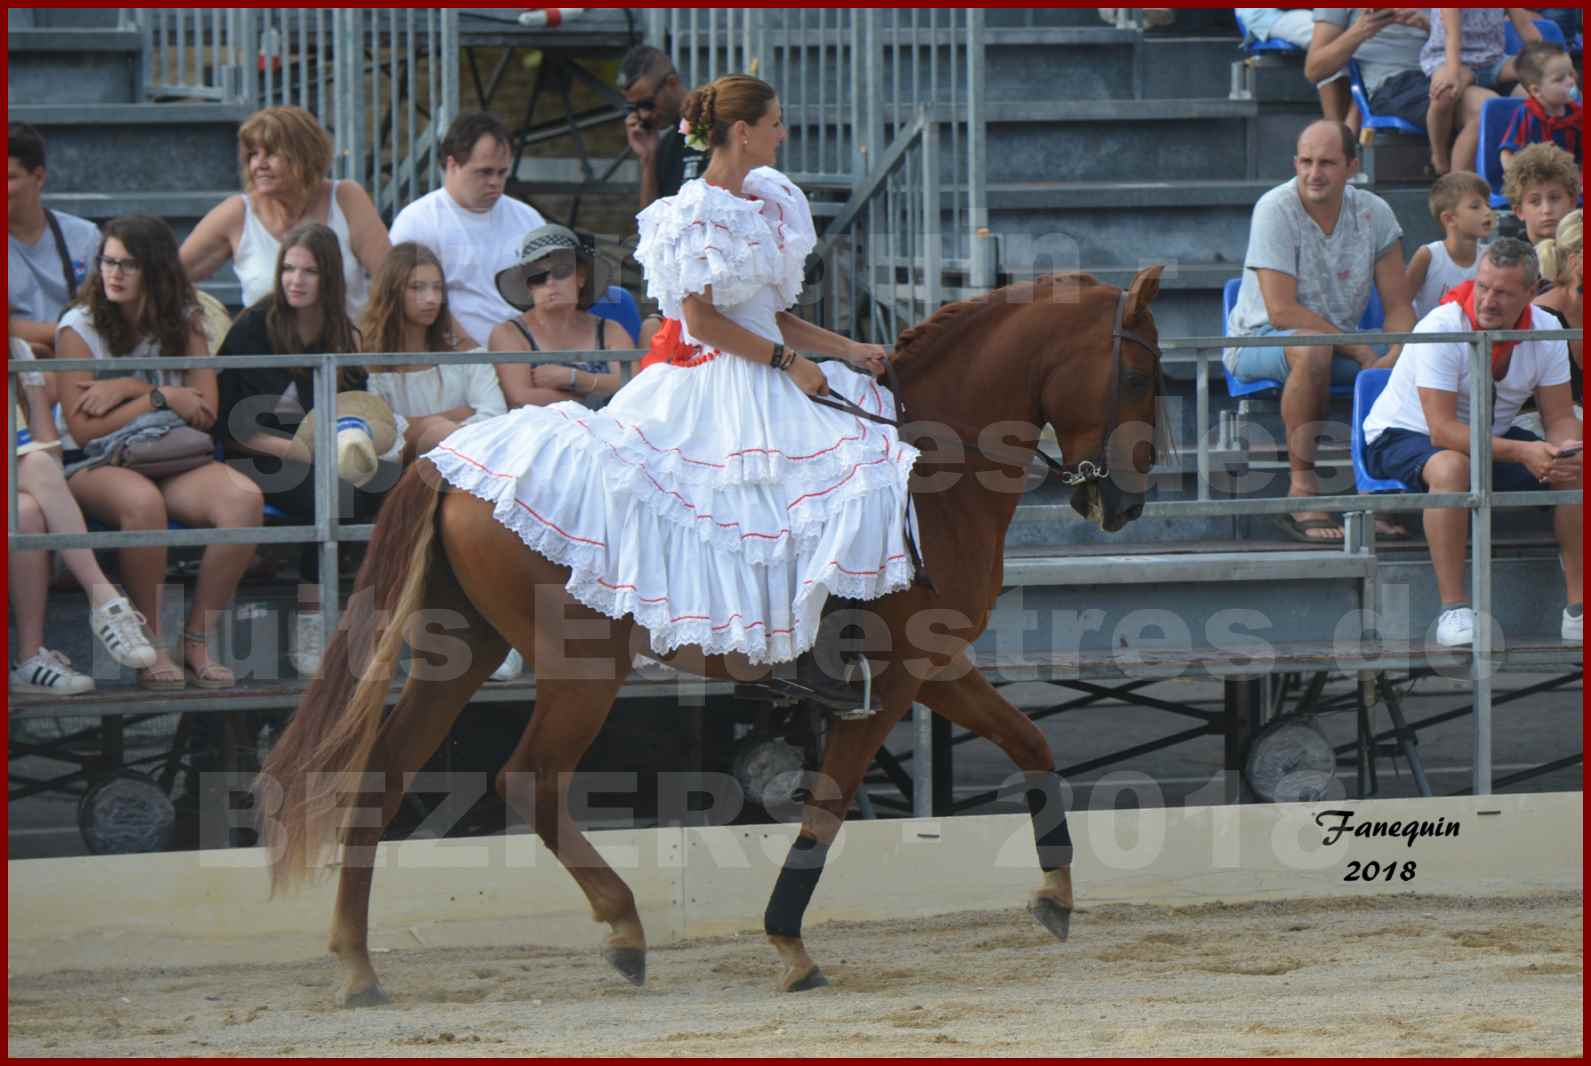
[[1418, 430], [654, 95]]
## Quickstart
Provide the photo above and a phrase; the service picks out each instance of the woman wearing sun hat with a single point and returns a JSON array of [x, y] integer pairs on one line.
[[557, 278]]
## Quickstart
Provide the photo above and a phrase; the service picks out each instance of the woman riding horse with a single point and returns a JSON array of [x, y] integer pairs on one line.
[[1064, 351]]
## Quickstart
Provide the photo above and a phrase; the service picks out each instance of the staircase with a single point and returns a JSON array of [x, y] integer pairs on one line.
[[78, 76]]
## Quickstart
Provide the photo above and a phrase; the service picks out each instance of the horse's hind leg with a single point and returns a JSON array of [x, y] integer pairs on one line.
[[964, 696], [535, 782], [425, 711]]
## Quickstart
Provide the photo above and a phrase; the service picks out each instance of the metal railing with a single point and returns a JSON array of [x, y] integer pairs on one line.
[[328, 531], [382, 81], [844, 79]]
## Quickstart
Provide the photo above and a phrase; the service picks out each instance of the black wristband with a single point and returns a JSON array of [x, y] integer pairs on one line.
[[779, 362]]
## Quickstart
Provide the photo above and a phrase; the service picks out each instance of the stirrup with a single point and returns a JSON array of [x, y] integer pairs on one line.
[[837, 698]]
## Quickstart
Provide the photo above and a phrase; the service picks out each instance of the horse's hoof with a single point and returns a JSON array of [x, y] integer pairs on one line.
[[1054, 917], [814, 979], [369, 997], [631, 962]]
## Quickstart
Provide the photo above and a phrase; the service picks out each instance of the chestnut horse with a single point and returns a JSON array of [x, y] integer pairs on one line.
[[1067, 350]]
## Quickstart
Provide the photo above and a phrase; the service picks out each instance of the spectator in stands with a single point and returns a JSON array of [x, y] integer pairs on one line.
[[1563, 266], [653, 95], [1541, 184], [45, 505], [284, 155], [1386, 43], [1551, 113], [263, 407], [1317, 245], [408, 313], [139, 303], [556, 279], [47, 252], [1461, 204], [470, 223], [1465, 59], [1418, 429]]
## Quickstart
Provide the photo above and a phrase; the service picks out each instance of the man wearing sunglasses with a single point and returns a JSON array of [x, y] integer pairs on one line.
[[654, 95]]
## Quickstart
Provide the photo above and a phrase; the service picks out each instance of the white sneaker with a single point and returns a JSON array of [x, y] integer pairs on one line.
[[512, 667], [1573, 628], [309, 643], [121, 630], [1456, 627], [49, 673]]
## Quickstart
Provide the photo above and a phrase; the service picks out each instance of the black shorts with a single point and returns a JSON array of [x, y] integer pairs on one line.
[[1406, 95]]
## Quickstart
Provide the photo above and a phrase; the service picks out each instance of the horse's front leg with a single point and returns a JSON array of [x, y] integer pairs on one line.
[[964, 696], [846, 757]]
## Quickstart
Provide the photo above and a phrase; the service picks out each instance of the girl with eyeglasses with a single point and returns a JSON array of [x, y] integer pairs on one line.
[[138, 303], [409, 313], [556, 279]]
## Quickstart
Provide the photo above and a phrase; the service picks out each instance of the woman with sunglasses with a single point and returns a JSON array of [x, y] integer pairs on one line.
[[138, 303], [556, 279], [711, 499]]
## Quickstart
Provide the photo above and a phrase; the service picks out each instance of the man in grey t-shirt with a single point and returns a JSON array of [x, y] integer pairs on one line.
[[36, 288], [1385, 42], [1316, 247]]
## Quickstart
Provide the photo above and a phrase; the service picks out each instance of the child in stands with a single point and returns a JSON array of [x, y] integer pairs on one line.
[[1542, 184], [45, 505], [1551, 113], [1461, 204]]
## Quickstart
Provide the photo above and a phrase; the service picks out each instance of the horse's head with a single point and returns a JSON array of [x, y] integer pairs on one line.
[[1102, 392]]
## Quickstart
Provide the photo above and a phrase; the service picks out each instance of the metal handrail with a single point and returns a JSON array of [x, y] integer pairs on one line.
[[329, 532]]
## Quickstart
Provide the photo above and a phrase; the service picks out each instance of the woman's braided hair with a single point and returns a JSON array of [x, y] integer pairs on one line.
[[716, 107]]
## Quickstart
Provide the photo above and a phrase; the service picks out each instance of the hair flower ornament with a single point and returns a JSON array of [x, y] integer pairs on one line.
[[693, 137]]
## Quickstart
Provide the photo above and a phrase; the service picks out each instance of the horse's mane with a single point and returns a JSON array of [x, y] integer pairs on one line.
[[951, 319]]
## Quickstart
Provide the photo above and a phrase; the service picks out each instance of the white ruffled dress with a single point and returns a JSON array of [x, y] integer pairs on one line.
[[714, 503]]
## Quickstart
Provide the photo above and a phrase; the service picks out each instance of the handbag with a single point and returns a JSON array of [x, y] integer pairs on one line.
[[175, 452], [158, 455]]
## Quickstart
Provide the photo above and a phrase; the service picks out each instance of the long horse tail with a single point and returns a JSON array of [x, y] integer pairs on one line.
[[328, 743]]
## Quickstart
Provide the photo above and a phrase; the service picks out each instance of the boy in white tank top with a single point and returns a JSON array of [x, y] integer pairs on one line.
[[1461, 204]]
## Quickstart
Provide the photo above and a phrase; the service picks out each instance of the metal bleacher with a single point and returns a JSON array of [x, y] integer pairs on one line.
[[1140, 148]]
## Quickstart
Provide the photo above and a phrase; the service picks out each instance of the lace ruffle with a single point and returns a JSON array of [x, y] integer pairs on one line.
[[705, 236]]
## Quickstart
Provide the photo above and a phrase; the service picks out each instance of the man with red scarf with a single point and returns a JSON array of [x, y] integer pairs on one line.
[[1418, 430]]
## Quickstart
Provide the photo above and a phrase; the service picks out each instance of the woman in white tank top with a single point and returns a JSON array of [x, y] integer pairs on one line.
[[284, 154]]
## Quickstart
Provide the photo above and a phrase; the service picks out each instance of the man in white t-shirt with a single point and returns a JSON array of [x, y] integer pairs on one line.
[[1418, 430], [471, 225], [38, 259]]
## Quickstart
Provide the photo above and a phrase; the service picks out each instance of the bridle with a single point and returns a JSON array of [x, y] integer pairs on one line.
[[1073, 475]]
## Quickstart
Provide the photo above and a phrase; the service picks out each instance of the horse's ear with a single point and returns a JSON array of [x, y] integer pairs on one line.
[[1145, 287]]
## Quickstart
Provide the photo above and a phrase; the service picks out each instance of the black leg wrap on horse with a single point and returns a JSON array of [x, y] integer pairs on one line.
[[793, 891], [1047, 809]]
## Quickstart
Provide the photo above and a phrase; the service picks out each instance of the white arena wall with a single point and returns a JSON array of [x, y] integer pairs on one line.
[[211, 907]]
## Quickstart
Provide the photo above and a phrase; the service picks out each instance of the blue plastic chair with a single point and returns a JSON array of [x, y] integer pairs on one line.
[[1496, 114], [1551, 32], [1374, 318], [1370, 120], [618, 305], [1366, 387], [1252, 46]]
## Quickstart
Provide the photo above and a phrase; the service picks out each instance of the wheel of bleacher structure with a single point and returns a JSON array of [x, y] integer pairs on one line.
[[1291, 761], [216, 319], [126, 813]]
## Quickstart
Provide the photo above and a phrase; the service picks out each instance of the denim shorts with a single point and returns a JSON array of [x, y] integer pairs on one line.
[[1261, 363], [1401, 454], [1488, 77]]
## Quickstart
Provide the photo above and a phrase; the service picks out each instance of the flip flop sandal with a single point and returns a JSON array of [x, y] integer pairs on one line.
[[212, 674], [1299, 530], [162, 677]]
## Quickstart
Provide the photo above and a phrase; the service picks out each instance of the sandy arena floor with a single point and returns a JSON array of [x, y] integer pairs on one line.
[[1374, 975]]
